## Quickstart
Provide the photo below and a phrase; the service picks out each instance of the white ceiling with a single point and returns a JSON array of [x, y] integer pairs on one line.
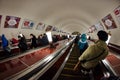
[[68, 15]]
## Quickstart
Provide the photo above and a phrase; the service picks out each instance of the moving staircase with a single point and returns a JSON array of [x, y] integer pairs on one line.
[[67, 72]]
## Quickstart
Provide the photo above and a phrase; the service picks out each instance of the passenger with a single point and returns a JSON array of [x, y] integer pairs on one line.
[[93, 54], [33, 41], [45, 40], [5, 45], [40, 41], [14, 41], [82, 43], [22, 44], [22, 36], [77, 39], [54, 37]]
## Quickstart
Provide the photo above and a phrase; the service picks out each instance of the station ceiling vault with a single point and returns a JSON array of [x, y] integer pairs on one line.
[[68, 15]]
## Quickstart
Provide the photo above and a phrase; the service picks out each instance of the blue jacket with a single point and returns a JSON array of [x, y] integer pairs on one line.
[[4, 41], [82, 43]]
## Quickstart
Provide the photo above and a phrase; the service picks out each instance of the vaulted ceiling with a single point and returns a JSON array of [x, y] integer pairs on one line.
[[67, 15]]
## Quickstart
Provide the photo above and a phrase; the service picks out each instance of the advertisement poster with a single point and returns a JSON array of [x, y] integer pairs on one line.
[[48, 28], [109, 22], [117, 13], [92, 29], [99, 26], [54, 29], [40, 26], [27, 24], [11, 22]]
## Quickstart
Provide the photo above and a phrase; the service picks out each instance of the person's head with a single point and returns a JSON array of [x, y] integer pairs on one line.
[[83, 37], [3, 35], [102, 35], [19, 37], [31, 35]]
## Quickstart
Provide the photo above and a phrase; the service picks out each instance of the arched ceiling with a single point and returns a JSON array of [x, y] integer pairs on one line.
[[67, 15]]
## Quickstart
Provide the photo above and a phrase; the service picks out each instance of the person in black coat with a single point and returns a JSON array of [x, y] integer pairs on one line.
[[22, 43], [33, 41], [45, 40]]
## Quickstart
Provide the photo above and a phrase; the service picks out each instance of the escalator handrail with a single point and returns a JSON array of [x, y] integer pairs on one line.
[[40, 65], [108, 68]]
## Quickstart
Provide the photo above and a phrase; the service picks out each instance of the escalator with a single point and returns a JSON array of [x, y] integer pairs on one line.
[[67, 72], [57, 66]]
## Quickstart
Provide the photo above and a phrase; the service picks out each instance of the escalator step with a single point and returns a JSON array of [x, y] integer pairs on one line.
[[72, 61], [70, 71], [68, 75], [73, 57], [70, 64], [73, 77]]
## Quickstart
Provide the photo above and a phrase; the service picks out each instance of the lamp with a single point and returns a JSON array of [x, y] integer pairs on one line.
[[109, 36], [68, 36], [49, 36]]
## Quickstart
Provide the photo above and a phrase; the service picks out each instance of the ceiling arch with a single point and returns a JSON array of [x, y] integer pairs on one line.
[[73, 28], [60, 13], [75, 17], [73, 24]]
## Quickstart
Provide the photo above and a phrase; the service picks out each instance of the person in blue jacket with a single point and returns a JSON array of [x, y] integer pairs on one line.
[[5, 45], [82, 43]]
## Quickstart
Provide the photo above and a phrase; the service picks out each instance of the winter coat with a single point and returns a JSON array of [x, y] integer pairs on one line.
[[4, 41], [91, 52], [34, 43], [22, 44], [82, 43]]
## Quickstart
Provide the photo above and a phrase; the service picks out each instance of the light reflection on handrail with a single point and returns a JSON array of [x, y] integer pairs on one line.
[[108, 66]]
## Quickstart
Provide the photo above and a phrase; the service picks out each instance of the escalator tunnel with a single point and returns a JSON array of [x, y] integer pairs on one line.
[[60, 64]]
